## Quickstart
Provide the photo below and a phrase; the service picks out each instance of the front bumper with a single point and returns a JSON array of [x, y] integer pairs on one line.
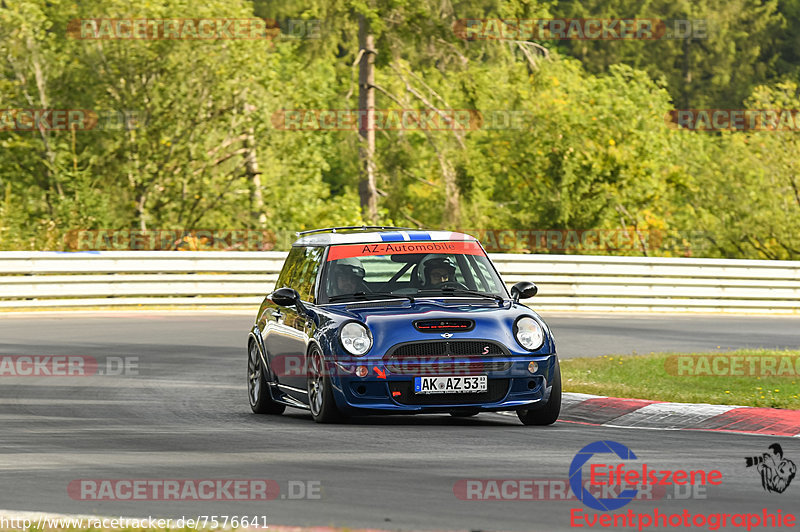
[[508, 389]]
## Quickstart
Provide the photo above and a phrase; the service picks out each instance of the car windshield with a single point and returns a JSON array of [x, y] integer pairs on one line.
[[356, 272]]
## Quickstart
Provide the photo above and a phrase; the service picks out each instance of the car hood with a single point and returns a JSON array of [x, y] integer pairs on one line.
[[394, 324]]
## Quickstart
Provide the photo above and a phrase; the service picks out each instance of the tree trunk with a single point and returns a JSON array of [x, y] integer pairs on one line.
[[141, 213], [137, 184], [367, 189], [253, 174], [687, 74], [452, 203], [41, 86]]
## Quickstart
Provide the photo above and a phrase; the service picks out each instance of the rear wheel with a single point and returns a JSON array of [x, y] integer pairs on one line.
[[547, 414], [320, 391], [257, 388]]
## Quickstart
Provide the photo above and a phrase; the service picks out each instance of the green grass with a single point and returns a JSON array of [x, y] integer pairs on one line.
[[655, 376]]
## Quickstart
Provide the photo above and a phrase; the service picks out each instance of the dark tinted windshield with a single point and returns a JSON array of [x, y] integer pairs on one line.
[[415, 269]]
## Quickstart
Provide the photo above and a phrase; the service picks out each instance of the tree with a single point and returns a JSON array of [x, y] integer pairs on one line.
[[730, 50], [748, 198]]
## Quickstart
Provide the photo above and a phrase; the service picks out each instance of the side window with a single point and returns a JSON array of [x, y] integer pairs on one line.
[[485, 278], [289, 270], [307, 270], [483, 275]]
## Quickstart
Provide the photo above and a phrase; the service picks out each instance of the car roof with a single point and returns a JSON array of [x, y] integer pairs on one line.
[[355, 236]]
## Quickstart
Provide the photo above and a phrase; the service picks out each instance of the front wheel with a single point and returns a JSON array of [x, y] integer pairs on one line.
[[320, 391], [547, 414], [257, 388]]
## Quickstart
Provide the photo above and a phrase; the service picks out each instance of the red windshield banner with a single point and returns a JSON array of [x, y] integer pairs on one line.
[[393, 248]]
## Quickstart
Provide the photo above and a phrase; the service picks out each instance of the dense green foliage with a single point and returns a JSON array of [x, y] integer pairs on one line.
[[593, 150]]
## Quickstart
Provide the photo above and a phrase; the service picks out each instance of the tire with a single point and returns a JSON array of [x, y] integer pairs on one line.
[[257, 388], [464, 413], [320, 391], [547, 414]]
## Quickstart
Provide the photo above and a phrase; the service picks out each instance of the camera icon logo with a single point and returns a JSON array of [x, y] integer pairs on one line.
[[776, 471]]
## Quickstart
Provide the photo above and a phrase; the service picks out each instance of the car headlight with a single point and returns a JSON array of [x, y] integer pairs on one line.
[[529, 333], [355, 338]]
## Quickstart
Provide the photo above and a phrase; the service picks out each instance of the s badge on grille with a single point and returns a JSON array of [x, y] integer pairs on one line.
[[447, 335]]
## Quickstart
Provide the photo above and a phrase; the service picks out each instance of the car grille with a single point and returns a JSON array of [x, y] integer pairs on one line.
[[451, 348], [444, 366], [497, 390]]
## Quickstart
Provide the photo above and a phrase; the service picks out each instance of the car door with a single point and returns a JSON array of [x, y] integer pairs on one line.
[[278, 335], [297, 323], [292, 327]]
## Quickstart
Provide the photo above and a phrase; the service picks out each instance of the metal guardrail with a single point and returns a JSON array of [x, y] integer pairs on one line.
[[566, 282]]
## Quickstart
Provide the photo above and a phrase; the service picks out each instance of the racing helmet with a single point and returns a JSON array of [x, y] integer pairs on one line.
[[350, 268], [437, 262]]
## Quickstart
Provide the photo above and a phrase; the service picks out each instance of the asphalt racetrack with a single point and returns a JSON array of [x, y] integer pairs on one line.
[[179, 411]]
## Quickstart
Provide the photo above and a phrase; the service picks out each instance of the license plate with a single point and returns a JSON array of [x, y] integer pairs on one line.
[[443, 384]]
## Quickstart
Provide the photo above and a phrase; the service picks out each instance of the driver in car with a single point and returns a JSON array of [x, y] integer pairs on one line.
[[347, 277], [439, 271]]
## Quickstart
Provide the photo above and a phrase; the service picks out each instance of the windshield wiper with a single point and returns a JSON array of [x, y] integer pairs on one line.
[[454, 291], [370, 295]]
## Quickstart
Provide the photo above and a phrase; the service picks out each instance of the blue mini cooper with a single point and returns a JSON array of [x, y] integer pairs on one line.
[[381, 320]]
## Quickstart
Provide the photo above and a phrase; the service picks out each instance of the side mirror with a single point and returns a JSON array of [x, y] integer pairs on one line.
[[285, 297], [523, 290]]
